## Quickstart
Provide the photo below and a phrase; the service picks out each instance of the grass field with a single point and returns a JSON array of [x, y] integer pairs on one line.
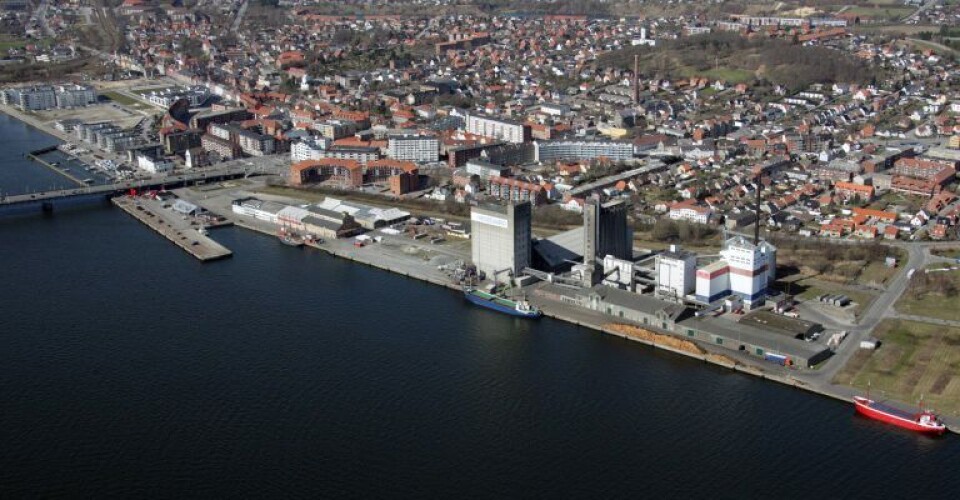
[[933, 305], [8, 42], [881, 12], [908, 29], [914, 359], [950, 253], [121, 99], [730, 75], [925, 45]]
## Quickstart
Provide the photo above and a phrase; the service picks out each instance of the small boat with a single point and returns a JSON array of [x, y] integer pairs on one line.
[[203, 230], [290, 239], [498, 303], [924, 421]]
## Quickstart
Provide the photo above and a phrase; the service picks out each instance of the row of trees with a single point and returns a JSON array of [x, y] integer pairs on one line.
[[782, 62], [669, 231]]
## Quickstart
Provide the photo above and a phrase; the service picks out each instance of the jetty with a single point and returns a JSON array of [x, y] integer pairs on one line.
[[181, 232]]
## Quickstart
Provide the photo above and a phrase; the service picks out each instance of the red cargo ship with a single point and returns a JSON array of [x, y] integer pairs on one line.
[[924, 421]]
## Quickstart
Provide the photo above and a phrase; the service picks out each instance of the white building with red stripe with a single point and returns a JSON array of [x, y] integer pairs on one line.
[[744, 269]]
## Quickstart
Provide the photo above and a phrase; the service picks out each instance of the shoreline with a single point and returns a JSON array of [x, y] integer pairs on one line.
[[549, 309], [553, 310], [34, 123]]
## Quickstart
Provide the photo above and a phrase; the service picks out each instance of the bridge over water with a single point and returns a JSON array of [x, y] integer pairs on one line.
[[49, 201]]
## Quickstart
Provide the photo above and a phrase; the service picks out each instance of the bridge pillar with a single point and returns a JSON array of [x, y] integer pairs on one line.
[[47, 207]]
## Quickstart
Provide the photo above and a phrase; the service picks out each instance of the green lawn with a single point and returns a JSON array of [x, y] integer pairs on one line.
[[730, 75], [8, 42], [933, 304], [121, 99], [913, 359], [881, 12], [950, 253]]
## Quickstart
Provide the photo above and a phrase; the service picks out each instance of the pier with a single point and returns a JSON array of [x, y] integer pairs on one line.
[[182, 233], [35, 156]]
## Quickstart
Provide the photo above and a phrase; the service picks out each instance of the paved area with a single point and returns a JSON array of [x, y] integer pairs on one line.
[[399, 254], [181, 230]]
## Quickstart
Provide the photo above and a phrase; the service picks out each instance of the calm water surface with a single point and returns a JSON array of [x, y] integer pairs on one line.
[[129, 369]]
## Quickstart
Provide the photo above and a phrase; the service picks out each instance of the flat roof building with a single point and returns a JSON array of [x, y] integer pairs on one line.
[[500, 241]]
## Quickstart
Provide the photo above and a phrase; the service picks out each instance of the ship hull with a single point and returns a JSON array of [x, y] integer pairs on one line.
[[495, 306], [868, 409]]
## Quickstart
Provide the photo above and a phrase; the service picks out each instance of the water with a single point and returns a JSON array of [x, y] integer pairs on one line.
[[19, 175], [130, 369]]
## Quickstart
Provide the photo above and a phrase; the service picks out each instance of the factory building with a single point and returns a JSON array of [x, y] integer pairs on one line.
[[676, 272], [762, 338], [258, 209], [744, 269], [500, 242], [365, 216], [619, 273], [606, 231]]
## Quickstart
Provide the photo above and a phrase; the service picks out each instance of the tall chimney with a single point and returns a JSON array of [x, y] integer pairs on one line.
[[636, 78], [756, 225]]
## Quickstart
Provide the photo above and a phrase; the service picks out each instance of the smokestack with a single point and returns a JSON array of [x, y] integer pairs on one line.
[[636, 78], [756, 226]]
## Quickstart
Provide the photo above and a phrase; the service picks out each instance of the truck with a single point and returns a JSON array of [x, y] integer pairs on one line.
[[779, 359]]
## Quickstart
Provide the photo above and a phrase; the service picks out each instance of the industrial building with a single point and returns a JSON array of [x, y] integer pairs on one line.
[[366, 216], [676, 273], [258, 209], [606, 231], [500, 241], [330, 219], [744, 336], [744, 269]]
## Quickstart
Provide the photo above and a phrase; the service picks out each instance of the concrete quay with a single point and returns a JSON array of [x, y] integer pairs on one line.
[[596, 321], [384, 256], [179, 231]]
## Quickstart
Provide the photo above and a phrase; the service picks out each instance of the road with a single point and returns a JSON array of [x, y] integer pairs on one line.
[[240, 13], [267, 165], [916, 14], [41, 13], [918, 257], [938, 46]]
